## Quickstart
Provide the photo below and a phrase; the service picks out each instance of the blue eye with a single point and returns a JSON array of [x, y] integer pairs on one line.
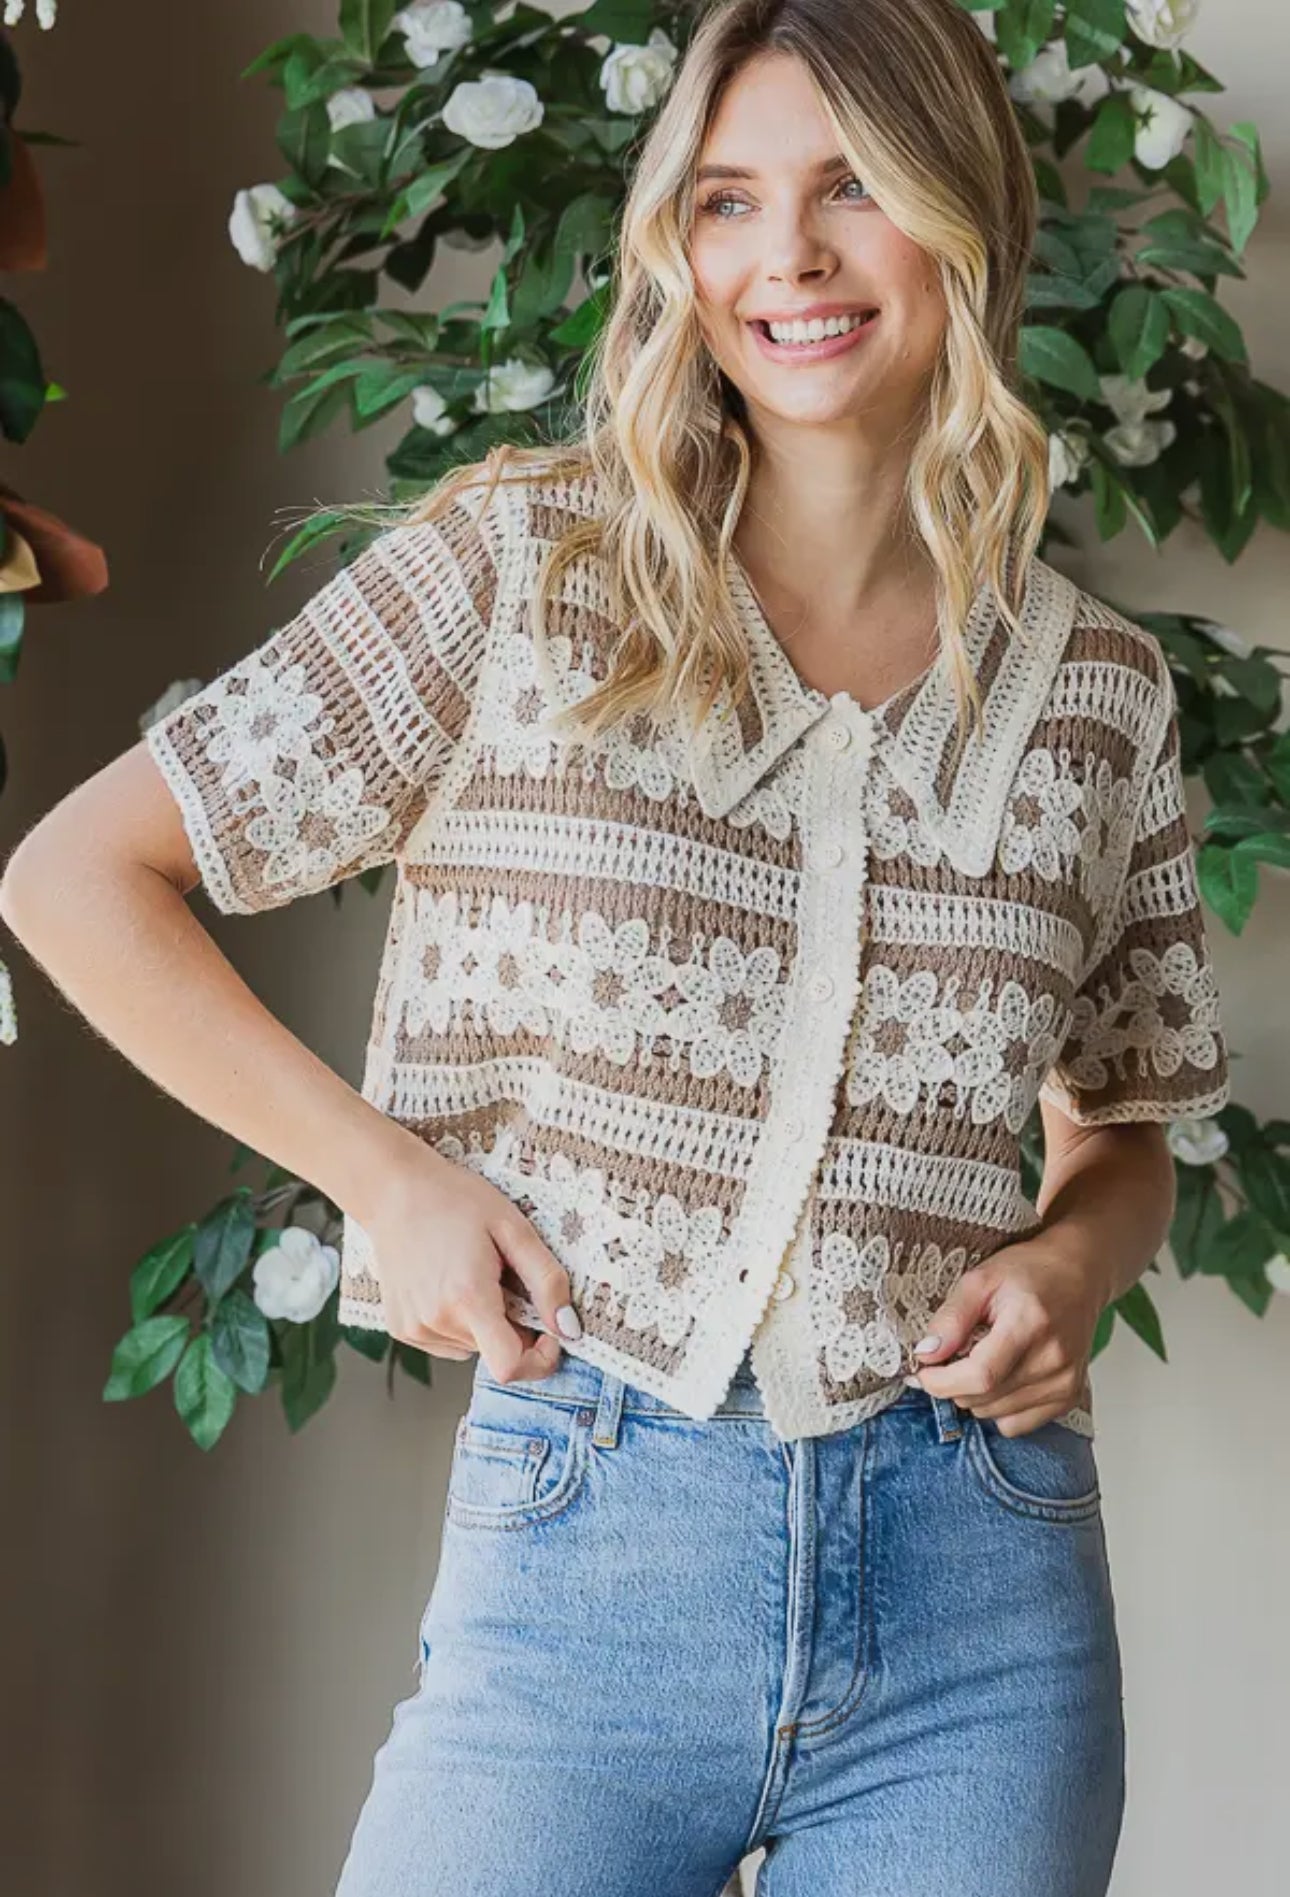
[[713, 206]]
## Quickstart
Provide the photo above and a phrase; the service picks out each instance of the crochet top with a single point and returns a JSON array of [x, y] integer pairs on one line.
[[749, 1026]]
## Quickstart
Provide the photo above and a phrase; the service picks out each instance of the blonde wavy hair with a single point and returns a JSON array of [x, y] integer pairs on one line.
[[914, 92]]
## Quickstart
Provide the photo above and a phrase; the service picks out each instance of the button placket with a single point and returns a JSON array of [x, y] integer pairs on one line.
[[820, 1005]]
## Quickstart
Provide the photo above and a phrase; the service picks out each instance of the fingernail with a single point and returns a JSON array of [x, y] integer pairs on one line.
[[913, 1383], [930, 1342], [568, 1323]]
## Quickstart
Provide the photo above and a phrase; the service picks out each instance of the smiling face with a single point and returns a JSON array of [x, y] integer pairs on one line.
[[784, 228]]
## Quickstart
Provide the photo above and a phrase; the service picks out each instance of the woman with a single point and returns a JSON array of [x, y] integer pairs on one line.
[[773, 830]]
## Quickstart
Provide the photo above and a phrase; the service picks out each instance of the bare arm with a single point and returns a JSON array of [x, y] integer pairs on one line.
[[1107, 1196], [96, 893]]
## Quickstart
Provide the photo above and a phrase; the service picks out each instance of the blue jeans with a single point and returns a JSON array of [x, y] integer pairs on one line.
[[888, 1656]]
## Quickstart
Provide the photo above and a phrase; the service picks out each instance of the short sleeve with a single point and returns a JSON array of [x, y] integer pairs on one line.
[[313, 757], [1146, 1039]]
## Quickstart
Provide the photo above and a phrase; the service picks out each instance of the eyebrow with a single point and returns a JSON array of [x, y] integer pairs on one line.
[[838, 162]]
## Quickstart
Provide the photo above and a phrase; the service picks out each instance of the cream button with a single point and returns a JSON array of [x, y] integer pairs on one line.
[[794, 1128], [783, 1287], [829, 855], [837, 734], [820, 987]]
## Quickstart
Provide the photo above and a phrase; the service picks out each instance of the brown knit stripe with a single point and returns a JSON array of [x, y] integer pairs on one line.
[[564, 793], [467, 545], [1098, 642], [401, 615]]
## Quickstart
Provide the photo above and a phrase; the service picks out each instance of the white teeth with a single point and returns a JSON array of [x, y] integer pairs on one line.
[[815, 330]]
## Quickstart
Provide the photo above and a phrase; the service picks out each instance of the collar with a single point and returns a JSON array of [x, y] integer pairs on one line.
[[962, 805]]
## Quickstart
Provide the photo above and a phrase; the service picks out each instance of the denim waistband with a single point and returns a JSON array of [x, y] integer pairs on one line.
[[576, 1380]]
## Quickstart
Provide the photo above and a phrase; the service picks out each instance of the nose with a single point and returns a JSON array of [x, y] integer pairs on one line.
[[795, 253]]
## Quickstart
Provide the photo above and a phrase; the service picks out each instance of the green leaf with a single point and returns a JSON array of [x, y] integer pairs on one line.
[[1254, 678], [1102, 1330], [425, 190], [22, 378], [1228, 882], [1265, 1176], [1140, 1314], [13, 620], [1267, 847], [1240, 195], [144, 1356], [160, 1272], [1198, 314], [1110, 142], [319, 527], [308, 1366], [1241, 1248], [626, 21], [1021, 28], [415, 1362], [304, 139], [544, 284], [1094, 29], [1109, 509], [239, 1335], [1208, 158], [222, 1244], [309, 412], [204, 1396], [1138, 325], [368, 1342], [580, 329], [1050, 355], [497, 314], [364, 25], [1198, 1218]]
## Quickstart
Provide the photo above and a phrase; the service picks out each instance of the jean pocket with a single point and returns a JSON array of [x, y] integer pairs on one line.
[[1049, 1473], [518, 1458]]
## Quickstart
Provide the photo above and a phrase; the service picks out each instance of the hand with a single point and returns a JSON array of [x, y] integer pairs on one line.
[[442, 1234], [1026, 1315]]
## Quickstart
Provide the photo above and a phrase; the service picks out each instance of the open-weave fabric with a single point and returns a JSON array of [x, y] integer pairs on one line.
[[749, 1026]]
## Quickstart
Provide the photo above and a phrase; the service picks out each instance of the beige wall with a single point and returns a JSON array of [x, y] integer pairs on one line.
[[202, 1652]]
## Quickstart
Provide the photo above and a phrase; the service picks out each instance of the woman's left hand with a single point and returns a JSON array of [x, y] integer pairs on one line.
[[1039, 1307]]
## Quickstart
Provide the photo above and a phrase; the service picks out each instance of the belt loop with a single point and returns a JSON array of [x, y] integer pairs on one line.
[[608, 1411], [949, 1419]]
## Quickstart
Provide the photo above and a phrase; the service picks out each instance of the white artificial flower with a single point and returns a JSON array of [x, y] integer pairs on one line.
[[431, 27], [1163, 23], [352, 105], [1224, 636], [256, 224], [8, 1013], [492, 111], [295, 1277], [1138, 444], [46, 15], [1196, 1142], [1162, 132], [1067, 455], [1129, 398], [173, 695], [1193, 346], [514, 384], [429, 411], [1049, 79], [634, 78], [1277, 1270]]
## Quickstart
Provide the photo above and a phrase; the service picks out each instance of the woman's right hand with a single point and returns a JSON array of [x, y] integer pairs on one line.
[[442, 1234]]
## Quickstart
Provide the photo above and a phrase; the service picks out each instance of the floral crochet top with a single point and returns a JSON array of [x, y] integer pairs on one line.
[[748, 1025]]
